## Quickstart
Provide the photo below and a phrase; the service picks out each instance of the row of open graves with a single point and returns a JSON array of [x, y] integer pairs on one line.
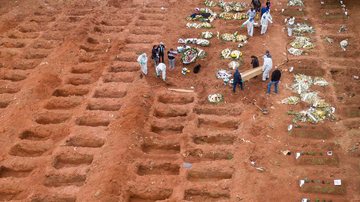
[[320, 153]]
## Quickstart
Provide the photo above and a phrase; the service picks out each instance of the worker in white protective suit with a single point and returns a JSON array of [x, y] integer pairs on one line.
[[161, 67], [142, 60], [250, 26], [265, 19], [290, 25], [267, 67]]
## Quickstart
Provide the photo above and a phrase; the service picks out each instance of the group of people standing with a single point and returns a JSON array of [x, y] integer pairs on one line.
[[158, 51], [264, 12], [275, 76], [254, 13], [158, 56]]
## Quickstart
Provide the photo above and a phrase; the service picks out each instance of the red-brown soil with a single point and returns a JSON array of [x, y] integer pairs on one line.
[[80, 123]]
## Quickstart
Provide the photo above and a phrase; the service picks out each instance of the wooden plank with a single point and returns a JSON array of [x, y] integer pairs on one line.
[[249, 74], [181, 90]]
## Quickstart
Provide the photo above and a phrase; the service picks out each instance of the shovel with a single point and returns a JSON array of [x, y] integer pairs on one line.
[[263, 110]]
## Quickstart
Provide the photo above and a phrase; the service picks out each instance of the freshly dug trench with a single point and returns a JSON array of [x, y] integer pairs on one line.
[[29, 149], [109, 93], [197, 195], [152, 196], [72, 159], [11, 172], [62, 103], [70, 91], [85, 141], [52, 118], [217, 139], [218, 125], [159, 169], [175, 99], [92, 121], [161, 148]]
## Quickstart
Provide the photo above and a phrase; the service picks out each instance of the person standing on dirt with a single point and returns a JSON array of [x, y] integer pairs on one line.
[[254, 61], [275, 79], [250, 26], [267, 66], [237, 80], [268, 4], [256, 4], [251, 13], [264, 10], [265, 19], [171, 57], [161, 67], [290, 25], [142, 60], [161, 52], [267, 54], [155, 55]]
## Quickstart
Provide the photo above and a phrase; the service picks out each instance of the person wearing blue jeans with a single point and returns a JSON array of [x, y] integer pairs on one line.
[[275, 79], [237, 80]]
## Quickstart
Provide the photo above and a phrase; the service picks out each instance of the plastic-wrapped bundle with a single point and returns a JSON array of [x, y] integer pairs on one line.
[[198, 25], [295, 51], [302, 83], [302, 42], [292, 100], [319, 81], [231, 54], [207, 35], [215, 98], [295, 3], [201, 42], [301, 28]]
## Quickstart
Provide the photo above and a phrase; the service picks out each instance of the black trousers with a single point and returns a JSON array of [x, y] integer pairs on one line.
[[161, 58]]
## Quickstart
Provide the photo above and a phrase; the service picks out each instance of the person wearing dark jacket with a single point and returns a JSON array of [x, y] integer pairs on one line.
[[254, 61], [155, 55], [268, 4], [161, 48], [275, 79], [256, 4], [237, 80]]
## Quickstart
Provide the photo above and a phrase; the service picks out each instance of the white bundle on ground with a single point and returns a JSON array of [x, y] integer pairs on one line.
[[232, 6], [234, 65], [210, 3], [344, 44], [319, 109], [223, 74], [310, 97], [231, 54], [302, 42], [295, 3], [301, 28], [198, 25], [292, 100], [302, 83], [295, 51], [201, 42], [319, 81], [207, 35], [215, 98]]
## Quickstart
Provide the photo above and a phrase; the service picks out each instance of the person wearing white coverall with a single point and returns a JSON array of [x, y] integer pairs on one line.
[[142, 60], [267, 67], [161, 67], [265, 19], [290, 25], [250, 26]]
